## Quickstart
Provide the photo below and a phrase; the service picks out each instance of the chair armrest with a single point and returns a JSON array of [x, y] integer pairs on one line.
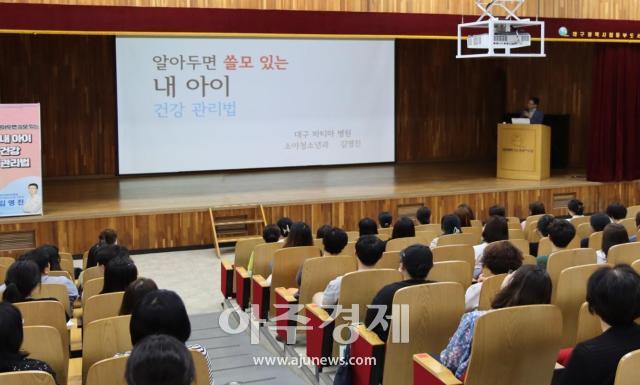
[[319, 339], [286, 321], [243, 287], [226, 279], [367, 346], [261, 296], [428, 371]]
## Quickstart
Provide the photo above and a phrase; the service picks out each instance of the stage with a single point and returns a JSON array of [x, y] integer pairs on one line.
[[172, 211]]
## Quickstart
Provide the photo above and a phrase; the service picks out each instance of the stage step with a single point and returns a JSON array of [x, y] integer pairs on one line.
[[243, 222]]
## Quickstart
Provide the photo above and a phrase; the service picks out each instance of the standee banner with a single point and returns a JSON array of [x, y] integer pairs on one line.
[[20, 160]]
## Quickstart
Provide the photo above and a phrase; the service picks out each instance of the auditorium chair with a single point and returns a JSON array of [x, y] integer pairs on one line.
[[102, 306], [522, 245], [545, 246], [3, 272], [399, 244], [64, 256], [529, 259], [92, 273], [349, 249], [202, 368], [388, 230], [91, 288], [628, 370], [630, 225], [109, 371], [583, 230], [531, 223], [316, 275], [577, 221], [490, 287], [425, 237], [458, 239], [353, 236], [46, 313], [514, 223], [54, 290], [85, 258], [595, 240], [569, 296], [510, 347], [356, 292], [476, 223], [68, 267], [531, 233], [463, 253], [286, 263], [44, 343], [589, 325], [6, 261], [433, 227], [29, 377], [563, 259], [516, 234], [451, 271], [430, 317], [626, 253], [389, 260], [243, 250], [104, 339], [632, 211], [60, 273], [385, 237], [636, 266], [262, 258], [476, 231]]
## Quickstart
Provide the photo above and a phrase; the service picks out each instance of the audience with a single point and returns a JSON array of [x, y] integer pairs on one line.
[[118, 274], [535, 208], [367, 226], [576, 208], [613, 294], [322, 230], [617, 212], [105, 254], [12, 358], [53, 254], [497, 210], [542, 228], [285, 226], [561, 233], [334, 241], [450, 224], [465, 214], [163, 312], [270, 234], [500, 257], [403, 228], [385, 219], [369, 250], [529, 285], [597, 221], [22, 277], [613, 234], [299, 235], [160, 360], [41, 258], [423, 215], [495, 230], [135, 292], [107, 237]]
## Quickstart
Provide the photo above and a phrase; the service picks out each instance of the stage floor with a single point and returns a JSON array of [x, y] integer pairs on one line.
[[118, 196]]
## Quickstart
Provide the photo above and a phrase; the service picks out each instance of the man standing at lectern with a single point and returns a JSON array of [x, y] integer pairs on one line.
[[535, 115]]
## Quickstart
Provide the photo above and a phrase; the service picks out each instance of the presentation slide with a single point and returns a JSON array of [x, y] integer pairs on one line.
[[195, 104]]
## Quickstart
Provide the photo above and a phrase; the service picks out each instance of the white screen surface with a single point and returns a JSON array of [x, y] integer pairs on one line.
[[267, 103]]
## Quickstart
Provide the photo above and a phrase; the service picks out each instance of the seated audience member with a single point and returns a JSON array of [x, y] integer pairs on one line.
[[107, 237], [299, 235], [529, 285], [464, 212], [160, 360], [284, 224], [367, 226], [53, 254], [423, 215], [542, 228], [22, 277], [385, 219], [403, 228], [369, 249], [118, 275], [498, 258], [135, 292], [613, 234], [597, 221], [103, 255], [322, 230], [41, 258], [497, 210], [163, 312], [495, 230], [450, 224], [334, 241], [617, 212], [12, 359], [416, 262], [613, 295], [576, 208], [561, 233], [270, 234], [535, 208]]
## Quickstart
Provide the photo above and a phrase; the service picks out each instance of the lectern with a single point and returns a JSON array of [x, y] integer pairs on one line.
[[524, 151]]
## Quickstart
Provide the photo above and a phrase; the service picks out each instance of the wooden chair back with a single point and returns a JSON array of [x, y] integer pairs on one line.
[[65, 256], [60, 273], [202, 368], [263, 256], [3, 272], [45, 313], [451, 271], [521, 244], [589, 325], [92, 273], [458, 239], [626, 253], [583, 230], [359, 288], [630, 225], [6, 261], [349, 249], [104, 339], [512, 221], [353, 236], [435, 311], [510, 348], [577, 221], [563, 259], [243, 250], [632, 211], [389, 260], [91, 288], [102, 306], [569, 296], [85, 257], [476, 223], [425, 237], [109, 371], [476, 231], [636, 266], [386, 230], [386, 237], [399, 244], [286, 263], [490, 287], [531, 233], [432, 227], [68, 267], [318, 272], [30, 377], [531, 223], [516, 234], [529, 259], [54, 290], [628, 370], [545, 246], [463, 253], [45, 344], [595, 240]]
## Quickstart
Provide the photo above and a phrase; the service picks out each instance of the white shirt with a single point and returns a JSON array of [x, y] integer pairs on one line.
[[472, 297], [479, 251], [601, 258], [33, 205], [332, 292]]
